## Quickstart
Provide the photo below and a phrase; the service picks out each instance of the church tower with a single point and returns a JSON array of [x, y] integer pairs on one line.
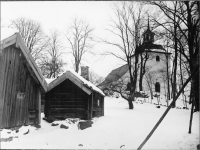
[[153, 65], [148, 35]]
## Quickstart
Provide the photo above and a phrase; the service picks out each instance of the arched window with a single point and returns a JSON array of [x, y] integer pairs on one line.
[[157, 58], [157, 87]]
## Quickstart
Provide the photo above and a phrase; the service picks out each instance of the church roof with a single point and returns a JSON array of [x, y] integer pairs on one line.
[[115, 75]]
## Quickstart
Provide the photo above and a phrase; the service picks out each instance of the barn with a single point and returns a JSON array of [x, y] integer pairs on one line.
[[72, 96], [21, 84]]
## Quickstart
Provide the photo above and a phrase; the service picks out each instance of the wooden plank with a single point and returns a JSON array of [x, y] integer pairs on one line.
[[68, 106], [23, 89], [91, 106], [13, 86], [2, 68], [27, 98], [39, 106], [14, 90], [9, 85], [31, 62], [102, 105], [67, 102], [6, 56]]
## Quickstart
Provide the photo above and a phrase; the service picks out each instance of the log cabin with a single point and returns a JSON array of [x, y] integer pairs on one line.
[[72, 96], [21, 84]]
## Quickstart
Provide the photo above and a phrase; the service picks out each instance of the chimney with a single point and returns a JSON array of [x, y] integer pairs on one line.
[[85, 72]]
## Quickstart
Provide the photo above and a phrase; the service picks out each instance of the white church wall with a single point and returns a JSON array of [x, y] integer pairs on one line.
[[158, 70]]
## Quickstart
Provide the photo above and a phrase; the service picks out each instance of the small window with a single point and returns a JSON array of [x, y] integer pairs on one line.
[[98, 103], [157, 58]]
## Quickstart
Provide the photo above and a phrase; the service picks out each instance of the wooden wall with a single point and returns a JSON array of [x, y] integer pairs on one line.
[[20, 95], [66, 101], [98, 105]]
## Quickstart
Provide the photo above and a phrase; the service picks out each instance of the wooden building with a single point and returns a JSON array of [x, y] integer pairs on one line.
[[21, 84], [72, 96]]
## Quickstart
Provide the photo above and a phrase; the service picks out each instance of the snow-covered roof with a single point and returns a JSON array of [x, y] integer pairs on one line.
[[85, 85]]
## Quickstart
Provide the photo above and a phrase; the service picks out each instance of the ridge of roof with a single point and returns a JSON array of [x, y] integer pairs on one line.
[[115, 74], [85, 85]]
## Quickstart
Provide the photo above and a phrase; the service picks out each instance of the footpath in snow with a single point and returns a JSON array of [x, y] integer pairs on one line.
[[119, 128]]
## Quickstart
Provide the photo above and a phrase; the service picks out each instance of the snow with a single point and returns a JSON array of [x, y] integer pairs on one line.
[[120, 127], [89, 84], [49, 80]]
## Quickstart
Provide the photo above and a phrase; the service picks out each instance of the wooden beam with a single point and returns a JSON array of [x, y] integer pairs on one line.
[[102, 106], [88, 108], [92, 105], [8, 41], [1, 88], [39, 106]]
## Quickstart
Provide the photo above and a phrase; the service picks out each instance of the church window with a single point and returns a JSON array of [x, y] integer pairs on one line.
[[157, 58]]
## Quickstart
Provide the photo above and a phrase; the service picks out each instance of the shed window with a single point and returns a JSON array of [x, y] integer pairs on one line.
[[98, 103], [157, 58], [157, 87]]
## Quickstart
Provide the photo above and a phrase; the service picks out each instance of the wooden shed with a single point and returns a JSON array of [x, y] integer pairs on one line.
[[21, 84], [71, 96]]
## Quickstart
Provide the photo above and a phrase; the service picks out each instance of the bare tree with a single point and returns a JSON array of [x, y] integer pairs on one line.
[[127, 27], [51, 63], [95, 78], [120, 87], [80, 38], [32, 34], [185, 17]]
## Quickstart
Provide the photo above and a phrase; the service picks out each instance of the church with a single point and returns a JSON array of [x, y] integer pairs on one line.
[[153, 68]]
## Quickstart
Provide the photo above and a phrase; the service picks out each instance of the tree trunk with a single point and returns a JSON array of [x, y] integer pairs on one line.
[[141, 72], [195, 82], [191, 116], [130, 104], [168, 88], [76, 66], [175, 58]]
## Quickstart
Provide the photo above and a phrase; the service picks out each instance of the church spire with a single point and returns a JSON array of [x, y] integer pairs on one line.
[[148, 35]]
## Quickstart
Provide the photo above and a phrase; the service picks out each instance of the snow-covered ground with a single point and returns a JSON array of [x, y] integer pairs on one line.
[[120, 127]]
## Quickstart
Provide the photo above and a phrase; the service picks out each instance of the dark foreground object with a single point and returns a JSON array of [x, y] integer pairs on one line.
[[86, 124]]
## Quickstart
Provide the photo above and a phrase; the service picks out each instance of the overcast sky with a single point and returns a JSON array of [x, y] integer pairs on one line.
[[58, 15]]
